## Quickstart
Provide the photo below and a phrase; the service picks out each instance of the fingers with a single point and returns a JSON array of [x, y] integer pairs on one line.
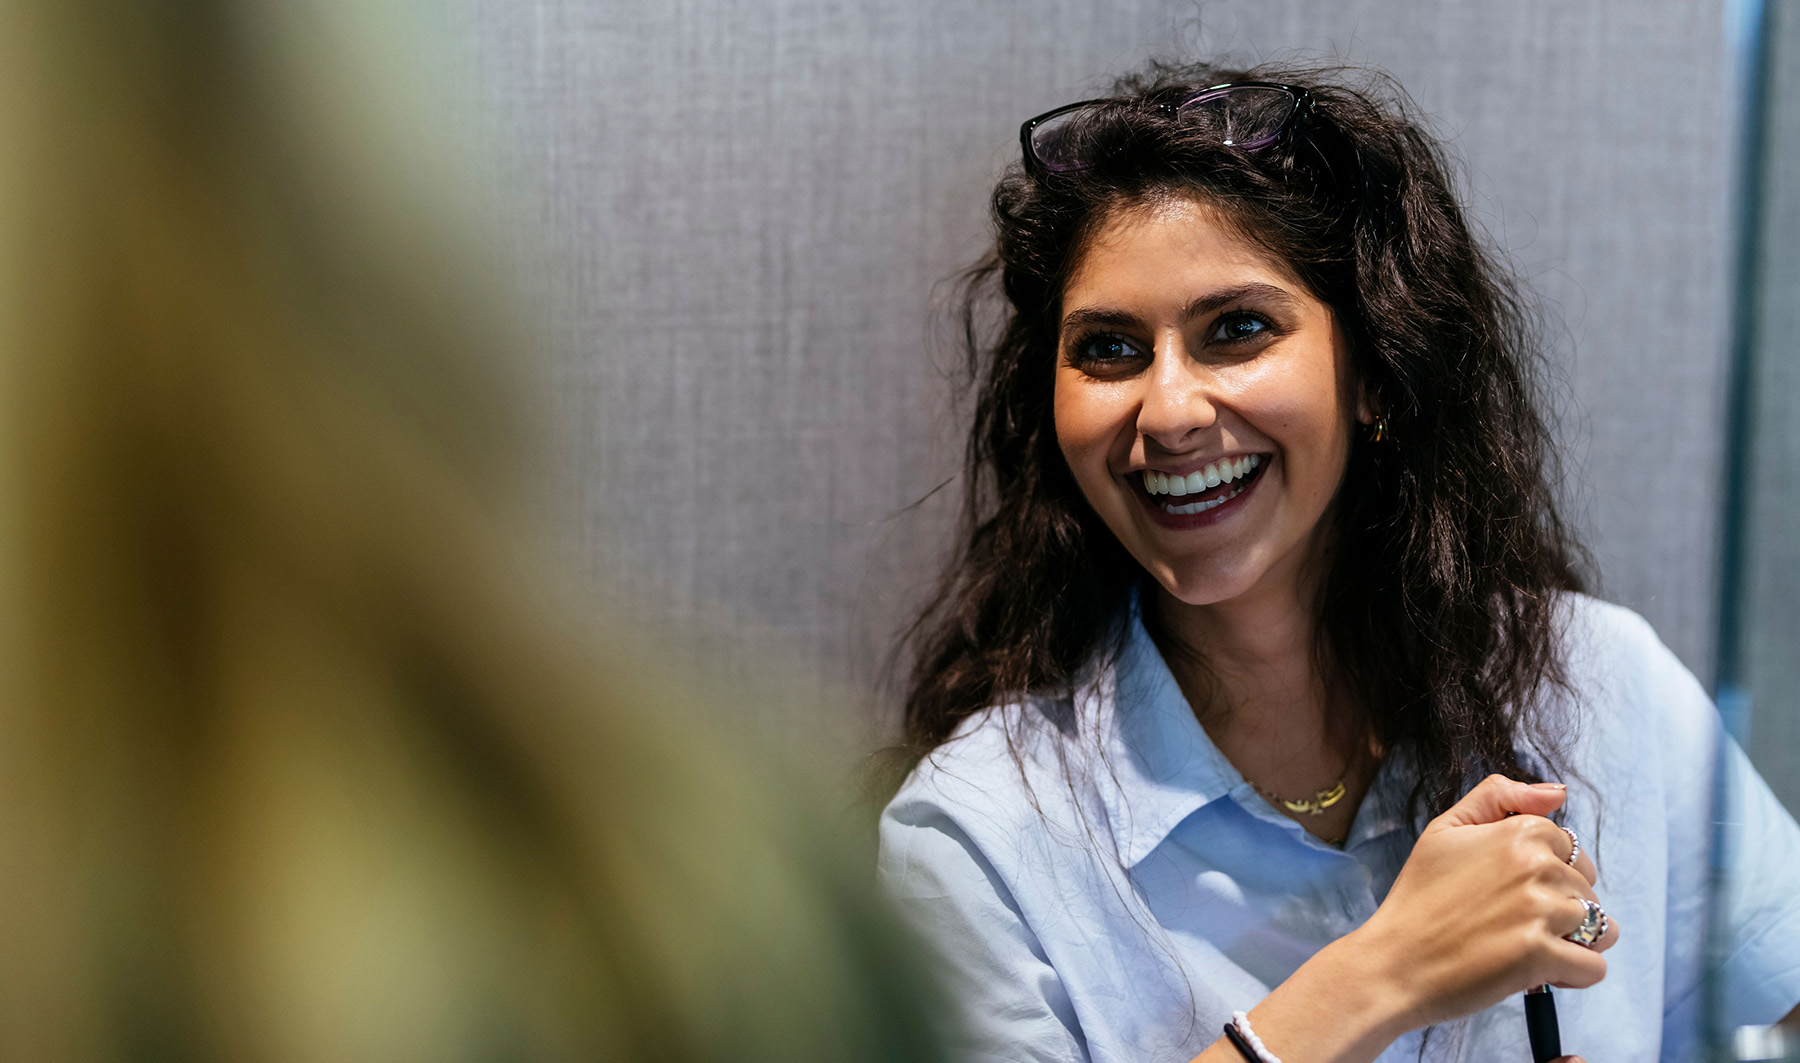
[[1611, 937], [1573, 966], [1547, 846], [1567, 844], [1586, 867], [1496, 797], [1562, 842], [1579, 966], [1575, 914]]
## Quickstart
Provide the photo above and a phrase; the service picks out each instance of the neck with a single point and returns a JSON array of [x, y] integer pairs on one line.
[[1248, 665], [1252, 670]]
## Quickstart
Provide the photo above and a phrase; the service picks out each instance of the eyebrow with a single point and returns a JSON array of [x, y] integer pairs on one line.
[[1205, 304]]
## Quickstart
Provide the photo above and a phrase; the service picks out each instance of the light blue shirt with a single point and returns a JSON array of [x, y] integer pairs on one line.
[[1117, 898]]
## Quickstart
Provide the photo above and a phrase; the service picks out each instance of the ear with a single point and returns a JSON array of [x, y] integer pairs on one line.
[[1365, 404]]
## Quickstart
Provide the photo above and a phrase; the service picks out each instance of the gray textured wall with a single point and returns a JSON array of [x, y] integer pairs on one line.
[[751, 201]]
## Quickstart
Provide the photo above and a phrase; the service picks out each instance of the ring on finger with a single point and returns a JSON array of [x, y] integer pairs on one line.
[[1574, 844], [1593, 924]]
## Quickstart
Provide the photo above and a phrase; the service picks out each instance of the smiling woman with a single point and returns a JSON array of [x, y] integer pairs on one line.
[[1210, 354], [1187, 349], [1260, 574]]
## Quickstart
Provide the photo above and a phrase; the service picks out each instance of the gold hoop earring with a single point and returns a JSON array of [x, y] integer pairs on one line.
[[1380, 430]]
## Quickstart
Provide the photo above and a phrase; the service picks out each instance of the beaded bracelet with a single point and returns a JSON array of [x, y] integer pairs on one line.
[[1244, 1039]]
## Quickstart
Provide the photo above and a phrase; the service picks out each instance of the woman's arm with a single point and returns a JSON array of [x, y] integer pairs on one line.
[[1477, 914], [1329, 1011]]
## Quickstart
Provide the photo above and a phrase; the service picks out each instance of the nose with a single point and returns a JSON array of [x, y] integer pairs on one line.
[[1178, 402]]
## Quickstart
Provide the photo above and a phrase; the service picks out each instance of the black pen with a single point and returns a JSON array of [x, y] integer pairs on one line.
[[1540, 1023]]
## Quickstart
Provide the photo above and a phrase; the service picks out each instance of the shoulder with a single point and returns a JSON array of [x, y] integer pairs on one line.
[[1015, 792], [968, 856], [1640, 722], [1004, 768], [1618, 666], [1600, 637]]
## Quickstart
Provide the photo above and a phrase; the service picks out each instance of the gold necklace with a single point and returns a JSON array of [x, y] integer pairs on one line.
[[1314, 805]]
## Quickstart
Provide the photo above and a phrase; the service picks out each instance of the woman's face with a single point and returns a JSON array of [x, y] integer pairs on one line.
[[1204, 401]]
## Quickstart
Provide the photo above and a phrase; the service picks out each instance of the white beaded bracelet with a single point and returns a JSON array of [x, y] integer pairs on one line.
[[1242, 1022]]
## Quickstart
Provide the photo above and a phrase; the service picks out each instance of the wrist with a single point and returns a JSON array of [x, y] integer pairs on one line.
[[1341, 1006], [1373, 984]]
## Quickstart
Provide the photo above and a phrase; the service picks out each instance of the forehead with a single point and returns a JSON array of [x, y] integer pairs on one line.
[[1171, 246]]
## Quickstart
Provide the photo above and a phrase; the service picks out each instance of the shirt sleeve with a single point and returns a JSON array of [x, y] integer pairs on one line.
[[1760, 902], [1734, 859], [1014, 1006]]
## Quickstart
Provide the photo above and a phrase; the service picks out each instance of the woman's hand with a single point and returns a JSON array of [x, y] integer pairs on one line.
[[1480, 909], [1477, 914]]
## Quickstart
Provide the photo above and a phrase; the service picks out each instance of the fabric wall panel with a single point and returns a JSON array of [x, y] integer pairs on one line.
[[752, 202]]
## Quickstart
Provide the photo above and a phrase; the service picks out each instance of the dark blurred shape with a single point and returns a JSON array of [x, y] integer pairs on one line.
[[295, 761]]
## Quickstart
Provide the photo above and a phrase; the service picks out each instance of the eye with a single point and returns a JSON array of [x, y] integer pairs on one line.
[[1105, 350], [1240, 326]]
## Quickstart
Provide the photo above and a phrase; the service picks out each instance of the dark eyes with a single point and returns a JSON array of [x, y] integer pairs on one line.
[[1111, 350], [1106, 350], [1240, 327]]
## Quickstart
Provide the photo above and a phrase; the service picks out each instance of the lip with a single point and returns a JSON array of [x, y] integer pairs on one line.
[[1219, 513]]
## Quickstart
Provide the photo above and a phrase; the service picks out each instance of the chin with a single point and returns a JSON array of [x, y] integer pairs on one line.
[[1204, 584]]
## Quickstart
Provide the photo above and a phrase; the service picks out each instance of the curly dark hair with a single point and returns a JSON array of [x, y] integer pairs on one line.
[[1438, 610]]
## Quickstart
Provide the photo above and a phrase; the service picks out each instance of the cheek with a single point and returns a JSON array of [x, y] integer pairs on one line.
[[1305, 409], [1093, 425], [1074, 420]]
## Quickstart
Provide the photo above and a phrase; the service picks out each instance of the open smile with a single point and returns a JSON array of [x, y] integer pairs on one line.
[[1200, 497]]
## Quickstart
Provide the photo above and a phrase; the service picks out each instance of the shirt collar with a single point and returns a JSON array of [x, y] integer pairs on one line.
[[1161, 766]]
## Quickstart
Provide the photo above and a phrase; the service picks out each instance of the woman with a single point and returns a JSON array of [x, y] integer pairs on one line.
[[1259, 573]]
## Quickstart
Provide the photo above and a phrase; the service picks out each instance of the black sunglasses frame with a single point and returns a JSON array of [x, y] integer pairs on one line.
[[1039, 168]]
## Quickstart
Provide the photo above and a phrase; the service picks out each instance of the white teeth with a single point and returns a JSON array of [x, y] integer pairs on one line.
[[1195, 507], [1162, 483]]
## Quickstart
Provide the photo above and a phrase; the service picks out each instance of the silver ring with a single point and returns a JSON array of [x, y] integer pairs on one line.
[[1593, 924], [1574, 845]]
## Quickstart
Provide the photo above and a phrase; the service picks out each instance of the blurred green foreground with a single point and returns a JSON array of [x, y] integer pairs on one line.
[[295, 761]]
